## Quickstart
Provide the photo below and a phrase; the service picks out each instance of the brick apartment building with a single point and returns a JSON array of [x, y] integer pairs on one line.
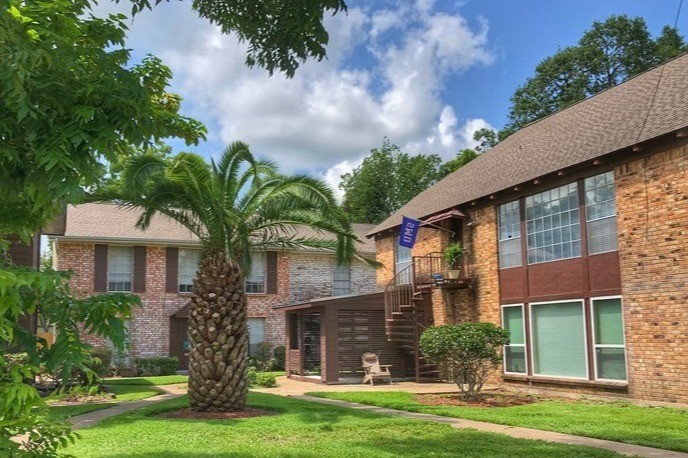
[[577, 234], [107, 253]]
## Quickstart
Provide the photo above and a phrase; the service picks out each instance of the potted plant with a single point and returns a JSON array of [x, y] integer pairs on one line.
[[453, 255]]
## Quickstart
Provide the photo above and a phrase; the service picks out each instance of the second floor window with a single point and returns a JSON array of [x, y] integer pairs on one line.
[[553, 224], [255, 283], [120, 268], [509, 235], [341, 282], [188, 266], [600, 208]]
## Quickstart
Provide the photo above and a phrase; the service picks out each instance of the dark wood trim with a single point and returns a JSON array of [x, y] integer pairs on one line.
[[271, 282], [534, 380], [100, 261], [172, 270], [139, 269]]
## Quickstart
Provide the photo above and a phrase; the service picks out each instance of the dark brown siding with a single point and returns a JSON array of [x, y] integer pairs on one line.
[[139, 269], [271, 286], [178, 334], [23, 254], [362, 331], [172, 270], [100, 268], [605, 273]]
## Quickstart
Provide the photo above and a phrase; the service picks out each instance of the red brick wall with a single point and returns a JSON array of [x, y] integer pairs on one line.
[[150, 325], [652, 209]]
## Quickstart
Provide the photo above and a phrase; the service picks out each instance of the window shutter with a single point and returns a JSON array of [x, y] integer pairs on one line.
[[139, 269], [100, 260], [271, 271], [172, 270]]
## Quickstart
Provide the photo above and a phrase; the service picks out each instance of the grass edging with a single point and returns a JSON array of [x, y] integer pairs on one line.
[[658, 427]]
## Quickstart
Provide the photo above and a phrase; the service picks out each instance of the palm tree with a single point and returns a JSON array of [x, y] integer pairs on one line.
[[236, 206]]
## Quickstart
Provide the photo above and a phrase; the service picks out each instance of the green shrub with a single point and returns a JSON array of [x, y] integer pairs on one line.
[[162, 365], [100, 361], [262, 359], [466, 353], [252, 375], [265, 380], [279, 354]]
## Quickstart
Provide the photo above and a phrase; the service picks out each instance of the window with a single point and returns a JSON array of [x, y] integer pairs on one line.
[[600, 209], [402, 262], [515, 352], [558, 339], [553, 224], [610, 349], [509, 235], [120, 268], [256, 334], [255, 283], [341, 283], [188, 265]]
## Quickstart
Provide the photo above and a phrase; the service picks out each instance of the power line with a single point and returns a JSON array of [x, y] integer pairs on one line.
[[678, 13]]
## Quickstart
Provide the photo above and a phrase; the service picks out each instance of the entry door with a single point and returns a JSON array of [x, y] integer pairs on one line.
[[179, 341]]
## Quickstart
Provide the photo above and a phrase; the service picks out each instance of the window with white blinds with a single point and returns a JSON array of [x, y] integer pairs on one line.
[[188, 266], [255, 283], [256, 334], [509, 235], [120, 268], [341, 282], [600, 208]]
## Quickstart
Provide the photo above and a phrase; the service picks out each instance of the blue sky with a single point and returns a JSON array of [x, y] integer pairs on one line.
[[425, 74]]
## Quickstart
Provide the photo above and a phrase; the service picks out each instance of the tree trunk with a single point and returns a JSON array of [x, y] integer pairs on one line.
[[218, 337]]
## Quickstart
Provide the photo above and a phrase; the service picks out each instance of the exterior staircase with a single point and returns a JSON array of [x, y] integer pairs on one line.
[[405, 315]]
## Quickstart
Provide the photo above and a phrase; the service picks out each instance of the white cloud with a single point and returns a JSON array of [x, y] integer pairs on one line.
[[332, 112], [332, 176]]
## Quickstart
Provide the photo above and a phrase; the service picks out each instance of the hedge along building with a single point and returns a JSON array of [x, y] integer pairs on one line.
[[107, 253], [575, 228]]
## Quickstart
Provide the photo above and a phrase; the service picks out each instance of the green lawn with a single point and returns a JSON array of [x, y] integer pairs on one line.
[[127, 393], [659, 427], [153, 380], [299, 429]]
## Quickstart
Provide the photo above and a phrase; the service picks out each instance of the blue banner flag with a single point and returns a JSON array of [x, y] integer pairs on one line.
[[409, 231]]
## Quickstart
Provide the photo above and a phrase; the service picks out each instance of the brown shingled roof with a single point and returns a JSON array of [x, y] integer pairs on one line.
[[647, 106], [110, 222]]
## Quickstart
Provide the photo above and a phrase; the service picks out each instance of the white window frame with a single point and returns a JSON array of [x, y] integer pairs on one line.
[[256, 278], [588, 220], [536, 232], [336, 281], [179, 270], [524, 344], [109, 258], [519, 238], [585, 339], [595, 345], [264, 321]]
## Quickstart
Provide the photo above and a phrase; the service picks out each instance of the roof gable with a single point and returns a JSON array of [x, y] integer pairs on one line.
[[644, 107]]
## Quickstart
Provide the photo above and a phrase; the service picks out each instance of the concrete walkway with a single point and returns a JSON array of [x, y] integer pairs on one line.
[[93, 418], [512, 431], [290, 387]]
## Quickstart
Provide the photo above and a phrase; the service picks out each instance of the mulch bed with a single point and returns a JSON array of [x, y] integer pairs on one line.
[[193, 415], [494, 398]]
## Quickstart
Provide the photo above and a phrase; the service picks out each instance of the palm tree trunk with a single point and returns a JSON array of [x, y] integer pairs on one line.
[[218, 337]]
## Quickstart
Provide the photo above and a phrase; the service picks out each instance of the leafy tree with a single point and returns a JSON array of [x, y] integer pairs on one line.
[[385, 181], [486, 138], [280, 34], [462, 158], [235, 206], [24, 356], [466, 353], [68, 96], [607, 54]]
